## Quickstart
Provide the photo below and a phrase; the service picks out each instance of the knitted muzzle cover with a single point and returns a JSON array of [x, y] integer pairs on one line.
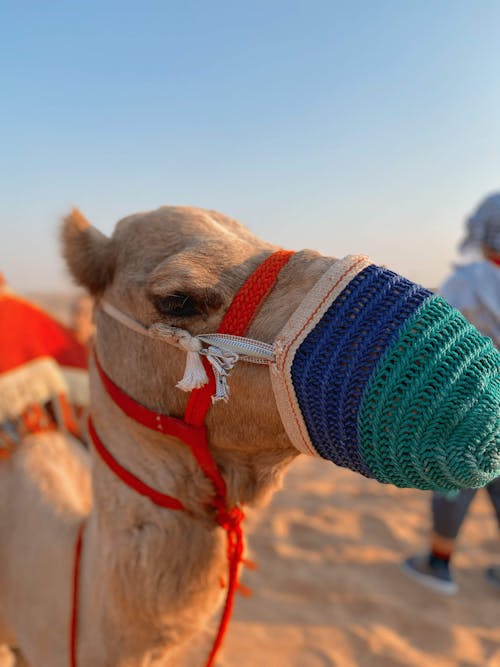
[[376, 374]]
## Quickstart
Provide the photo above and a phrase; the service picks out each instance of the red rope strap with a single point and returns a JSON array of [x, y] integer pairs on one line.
[[158, 498], [74, 600], [232, 524], [192, 435], [236, 321], [192, 432]]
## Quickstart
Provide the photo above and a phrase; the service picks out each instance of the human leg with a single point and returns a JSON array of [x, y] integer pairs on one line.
[[448, 513], [493, 491], [433, 569], [492, 573]]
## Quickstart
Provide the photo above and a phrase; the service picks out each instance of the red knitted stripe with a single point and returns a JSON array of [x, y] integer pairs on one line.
[[247, 301], [236, 321]]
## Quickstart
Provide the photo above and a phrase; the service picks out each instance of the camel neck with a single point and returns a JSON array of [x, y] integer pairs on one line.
[[159, 562]]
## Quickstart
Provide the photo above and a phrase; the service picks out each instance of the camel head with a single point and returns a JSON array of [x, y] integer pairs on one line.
[[369, 370]]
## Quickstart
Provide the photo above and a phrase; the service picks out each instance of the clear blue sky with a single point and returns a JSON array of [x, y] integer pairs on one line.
[[358, 126]]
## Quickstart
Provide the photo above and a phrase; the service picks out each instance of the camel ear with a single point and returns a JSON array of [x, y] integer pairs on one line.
[[89, 254]]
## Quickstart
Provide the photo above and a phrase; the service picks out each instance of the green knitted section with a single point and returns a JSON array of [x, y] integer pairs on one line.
[[430, 414]]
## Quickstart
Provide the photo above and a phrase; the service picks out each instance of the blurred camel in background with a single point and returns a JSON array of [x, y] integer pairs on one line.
[[43, 395]]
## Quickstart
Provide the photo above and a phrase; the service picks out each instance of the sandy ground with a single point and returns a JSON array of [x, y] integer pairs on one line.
[[329, 591]]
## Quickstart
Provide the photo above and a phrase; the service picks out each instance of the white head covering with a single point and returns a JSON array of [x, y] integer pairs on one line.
[[483, 226]]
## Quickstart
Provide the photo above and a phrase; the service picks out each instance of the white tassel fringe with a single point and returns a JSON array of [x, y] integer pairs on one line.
[[222, 353], [195, 375]]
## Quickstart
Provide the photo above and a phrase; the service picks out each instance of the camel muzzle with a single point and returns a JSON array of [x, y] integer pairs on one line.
[[376, 374]]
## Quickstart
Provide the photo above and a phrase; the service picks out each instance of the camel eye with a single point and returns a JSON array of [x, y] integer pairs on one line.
[[176, 305]]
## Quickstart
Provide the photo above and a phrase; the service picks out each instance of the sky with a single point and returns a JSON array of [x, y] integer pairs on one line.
[[364, 126]]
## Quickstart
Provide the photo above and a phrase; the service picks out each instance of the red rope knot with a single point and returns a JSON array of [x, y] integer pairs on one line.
[[230, 520]]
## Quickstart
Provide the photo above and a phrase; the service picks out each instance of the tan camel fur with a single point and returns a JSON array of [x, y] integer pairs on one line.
[[150, 577]]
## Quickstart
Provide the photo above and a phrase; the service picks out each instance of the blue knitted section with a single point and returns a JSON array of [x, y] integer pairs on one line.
[[334, 363]]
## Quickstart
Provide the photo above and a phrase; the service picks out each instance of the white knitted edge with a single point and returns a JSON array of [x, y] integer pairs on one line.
[[77, 380], [301, 323], [34, 382]]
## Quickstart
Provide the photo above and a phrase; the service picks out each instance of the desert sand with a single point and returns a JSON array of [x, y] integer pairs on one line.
[[329, 591]]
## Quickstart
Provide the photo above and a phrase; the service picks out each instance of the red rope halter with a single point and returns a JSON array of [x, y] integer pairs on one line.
[[192, 431]]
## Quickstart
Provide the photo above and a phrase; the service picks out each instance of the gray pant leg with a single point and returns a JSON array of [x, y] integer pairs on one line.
[[493, 490], [448, 513]]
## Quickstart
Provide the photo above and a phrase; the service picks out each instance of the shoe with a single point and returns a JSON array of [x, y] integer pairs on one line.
[[434, 574], [492, 575]]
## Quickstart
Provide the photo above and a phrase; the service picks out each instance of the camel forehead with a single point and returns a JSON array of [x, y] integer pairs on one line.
[[180, 227], [145, 240]]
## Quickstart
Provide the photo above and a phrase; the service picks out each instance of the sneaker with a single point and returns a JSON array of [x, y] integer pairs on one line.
[[435, 575], [492, 575]]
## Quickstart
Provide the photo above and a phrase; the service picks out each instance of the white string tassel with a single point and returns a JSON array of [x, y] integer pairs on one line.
[[221, 388], [222, 363], [195, 375], [223, 351]]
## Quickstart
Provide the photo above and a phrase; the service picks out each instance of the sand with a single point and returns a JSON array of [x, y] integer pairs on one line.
[[329, 590]]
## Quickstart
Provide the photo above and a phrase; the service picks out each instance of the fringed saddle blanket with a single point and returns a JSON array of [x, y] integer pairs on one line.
[[43, 372]]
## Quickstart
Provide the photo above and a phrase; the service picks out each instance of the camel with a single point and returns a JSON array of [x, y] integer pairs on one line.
[[149, 576]]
